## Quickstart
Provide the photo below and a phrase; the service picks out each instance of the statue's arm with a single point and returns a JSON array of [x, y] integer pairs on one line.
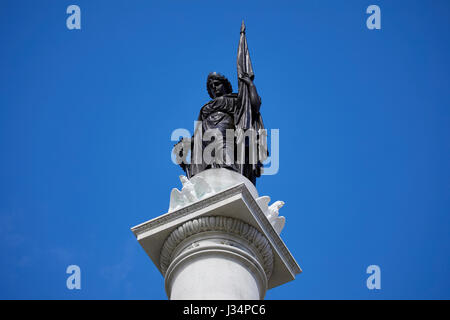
[[255, 99]]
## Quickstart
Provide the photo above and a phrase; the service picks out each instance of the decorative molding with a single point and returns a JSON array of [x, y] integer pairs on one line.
[[218, 223]]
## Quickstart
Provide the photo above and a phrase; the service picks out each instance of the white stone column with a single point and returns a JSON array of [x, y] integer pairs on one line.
[[219, 240], [216, 258]]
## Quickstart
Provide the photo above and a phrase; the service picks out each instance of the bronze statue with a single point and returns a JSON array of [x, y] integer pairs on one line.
[[230, 132]]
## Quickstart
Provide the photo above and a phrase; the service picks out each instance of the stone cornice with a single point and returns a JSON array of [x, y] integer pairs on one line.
[[169, 217]]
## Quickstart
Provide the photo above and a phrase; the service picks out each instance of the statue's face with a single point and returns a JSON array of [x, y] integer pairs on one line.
[[217, 88]]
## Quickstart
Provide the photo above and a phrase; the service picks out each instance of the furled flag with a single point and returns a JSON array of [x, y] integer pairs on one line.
[[246, 118]]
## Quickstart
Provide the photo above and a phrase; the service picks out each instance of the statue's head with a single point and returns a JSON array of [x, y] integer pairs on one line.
[[218, 85]]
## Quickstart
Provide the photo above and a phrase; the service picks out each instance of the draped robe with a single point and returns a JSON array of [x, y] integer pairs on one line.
[[222, 113]]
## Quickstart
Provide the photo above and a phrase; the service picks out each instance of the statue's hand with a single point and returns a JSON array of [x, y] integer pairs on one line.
[[246, 78]]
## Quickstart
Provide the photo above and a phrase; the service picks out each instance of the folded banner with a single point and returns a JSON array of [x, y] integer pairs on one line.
[[247, 117]]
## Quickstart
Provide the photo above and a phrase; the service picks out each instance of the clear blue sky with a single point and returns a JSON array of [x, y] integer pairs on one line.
[[86, 117]]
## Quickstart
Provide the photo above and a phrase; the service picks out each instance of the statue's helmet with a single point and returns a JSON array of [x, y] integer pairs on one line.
[[223, 79]]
